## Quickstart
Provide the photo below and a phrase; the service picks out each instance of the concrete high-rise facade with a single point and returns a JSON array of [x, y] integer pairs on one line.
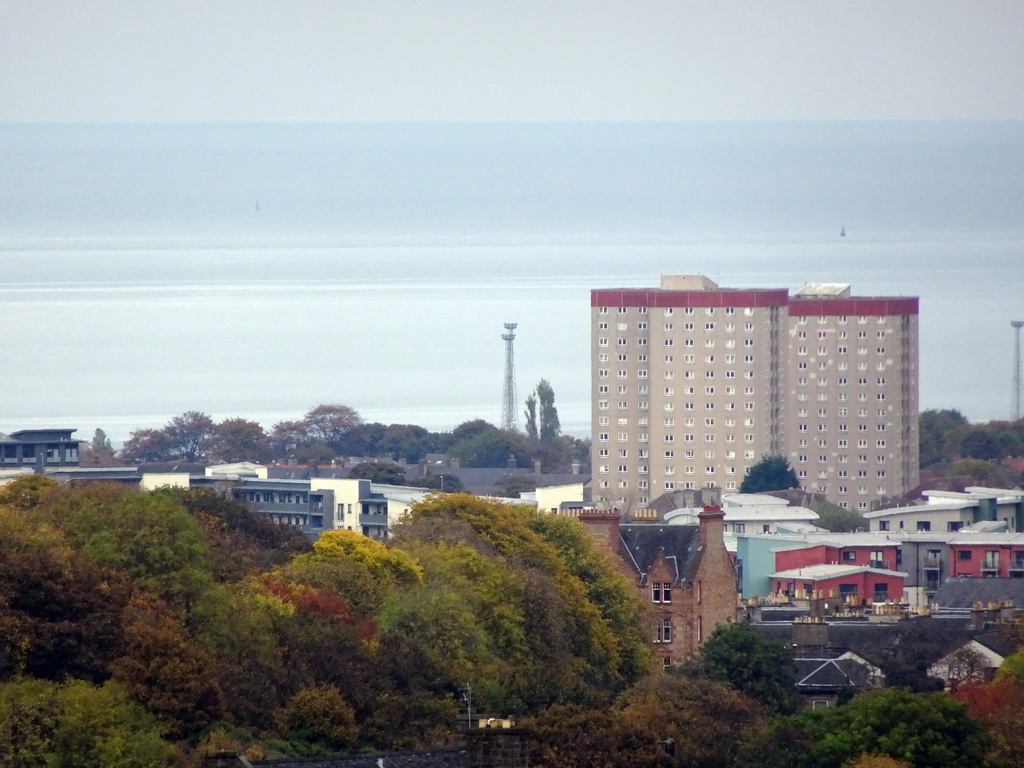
[[693, 383]]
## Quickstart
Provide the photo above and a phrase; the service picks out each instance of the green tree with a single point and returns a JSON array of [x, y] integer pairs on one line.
[[239, 540], [930, 730], [549, 427], [149, 536], [189, 433], [404, 441], [444, 482], [287, 437], [467, 430], [147, 445], [330, 422], [384, 472], [46, 724], [532, 433], [515, 485], [320, 717], [26, 492], [771, 473], [492, 448], [980, 442], [937, 428], [564, 642], [832, 517], [98, 452], [238, 439], [986, 473], [762, 669]]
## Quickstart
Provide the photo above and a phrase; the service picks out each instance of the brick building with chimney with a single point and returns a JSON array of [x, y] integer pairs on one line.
[[682, 572]]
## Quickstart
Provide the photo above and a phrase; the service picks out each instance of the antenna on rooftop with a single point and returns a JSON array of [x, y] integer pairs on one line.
[[509, 410], [1016, 368]]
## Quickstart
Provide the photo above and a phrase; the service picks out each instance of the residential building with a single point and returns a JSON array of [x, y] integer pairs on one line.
[[853, 394], [753, 513], [866, 584], [975, 662], [824, 682], [692, 384], [993, 556], [951, 511], [682, 572]]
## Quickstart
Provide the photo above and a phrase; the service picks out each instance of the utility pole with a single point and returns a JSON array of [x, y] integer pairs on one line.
[[509, 409], [1016, 368]]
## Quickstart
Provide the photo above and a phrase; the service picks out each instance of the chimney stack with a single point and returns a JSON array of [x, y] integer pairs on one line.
[[603, 525], [711, 527]]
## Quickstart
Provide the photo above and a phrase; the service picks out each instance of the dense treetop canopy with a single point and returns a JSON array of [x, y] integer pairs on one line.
[[141, 629]]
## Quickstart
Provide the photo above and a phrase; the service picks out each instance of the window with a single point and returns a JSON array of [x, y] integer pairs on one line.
[[924, 525], [663, 633], [661, 592], [963, 555]]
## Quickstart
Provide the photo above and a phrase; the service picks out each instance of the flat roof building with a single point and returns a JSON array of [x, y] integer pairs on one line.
[[38, 448], [692, 384]]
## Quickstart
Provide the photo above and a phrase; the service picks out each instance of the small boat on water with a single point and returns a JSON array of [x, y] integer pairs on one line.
[[842, 231]]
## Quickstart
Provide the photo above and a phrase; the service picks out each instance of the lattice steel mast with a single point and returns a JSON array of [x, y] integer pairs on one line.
[[1016, 367], [509, 409]]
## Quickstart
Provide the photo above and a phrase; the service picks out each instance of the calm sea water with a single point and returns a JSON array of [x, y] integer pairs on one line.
[[139, 280]]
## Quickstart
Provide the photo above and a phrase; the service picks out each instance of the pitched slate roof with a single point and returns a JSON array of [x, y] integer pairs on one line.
[[452, 757], [963, 593], [842, 672], [641, 544], [876, 641]]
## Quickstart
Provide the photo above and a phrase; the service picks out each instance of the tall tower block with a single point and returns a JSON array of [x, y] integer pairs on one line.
[[509, 411]]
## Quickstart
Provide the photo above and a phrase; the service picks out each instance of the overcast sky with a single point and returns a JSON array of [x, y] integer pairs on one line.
[[331, 60]]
